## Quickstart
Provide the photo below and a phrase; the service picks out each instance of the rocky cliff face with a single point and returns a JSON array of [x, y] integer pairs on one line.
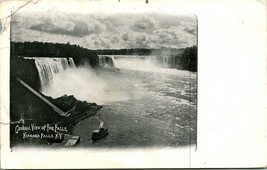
[[26, 108], [26, 70]]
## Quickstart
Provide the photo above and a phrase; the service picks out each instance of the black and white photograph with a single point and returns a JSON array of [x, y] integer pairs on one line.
[[103, 79], [111, 84]]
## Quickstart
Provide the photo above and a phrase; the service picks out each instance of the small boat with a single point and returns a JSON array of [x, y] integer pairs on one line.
[[99, 134]]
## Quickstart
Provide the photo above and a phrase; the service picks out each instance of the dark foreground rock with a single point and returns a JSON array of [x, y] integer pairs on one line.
[[33, 122], [78, 110]]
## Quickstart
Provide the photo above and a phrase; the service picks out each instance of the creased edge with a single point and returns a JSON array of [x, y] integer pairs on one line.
[[5, 21]]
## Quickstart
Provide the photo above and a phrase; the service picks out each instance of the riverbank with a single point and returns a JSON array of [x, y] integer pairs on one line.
[[36, 123], [33, 121], [37, 120]]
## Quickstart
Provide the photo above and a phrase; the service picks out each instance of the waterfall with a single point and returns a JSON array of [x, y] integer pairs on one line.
[[106, 61], [135, 62], [71, 63], [168, 61], [49, 67], [165, 60]]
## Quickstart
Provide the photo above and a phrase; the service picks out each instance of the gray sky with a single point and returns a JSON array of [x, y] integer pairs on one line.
[[103, 30]]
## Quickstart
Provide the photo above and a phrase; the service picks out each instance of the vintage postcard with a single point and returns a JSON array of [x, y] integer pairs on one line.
[[103, 79], [115, 83]]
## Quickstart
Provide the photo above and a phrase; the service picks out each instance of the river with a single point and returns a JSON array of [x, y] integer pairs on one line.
[[145, 103]]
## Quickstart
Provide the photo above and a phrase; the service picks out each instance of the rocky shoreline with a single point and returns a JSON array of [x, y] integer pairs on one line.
[[29, 114], [36, 113]]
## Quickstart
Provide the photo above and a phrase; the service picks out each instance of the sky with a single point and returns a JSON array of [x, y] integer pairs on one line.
[[98, 30]]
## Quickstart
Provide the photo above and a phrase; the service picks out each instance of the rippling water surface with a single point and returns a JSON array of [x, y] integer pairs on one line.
[[144, 105]]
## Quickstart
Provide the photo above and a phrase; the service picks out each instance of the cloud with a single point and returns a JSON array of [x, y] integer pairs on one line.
[[144, 24], [189, 27], [65, 27], [106, 31], [125, 37]]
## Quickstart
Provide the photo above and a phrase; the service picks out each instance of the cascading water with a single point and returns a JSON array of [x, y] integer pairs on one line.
[[127, 61], [137, 62], [168, 61], [71, 63], [106, 61], [149, 63], [49, 67]]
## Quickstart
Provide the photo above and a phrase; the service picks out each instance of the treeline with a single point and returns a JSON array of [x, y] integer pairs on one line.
[[133, 51], [188, 59], [183, 59], [79, 54]]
